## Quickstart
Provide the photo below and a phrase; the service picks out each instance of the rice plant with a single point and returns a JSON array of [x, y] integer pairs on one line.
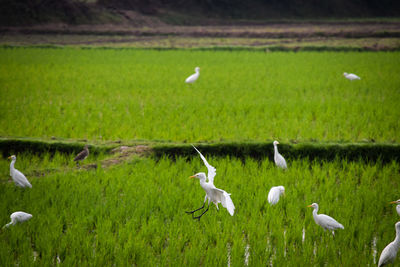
[[128, 94], [134, 214]]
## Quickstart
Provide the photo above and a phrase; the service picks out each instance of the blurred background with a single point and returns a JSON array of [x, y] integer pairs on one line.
[[267, 24]]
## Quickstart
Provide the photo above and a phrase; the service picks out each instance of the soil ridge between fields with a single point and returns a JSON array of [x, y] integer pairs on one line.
[[366, 151]]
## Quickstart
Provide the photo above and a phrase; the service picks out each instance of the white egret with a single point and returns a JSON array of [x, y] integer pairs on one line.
[[213, 194], [192, 78], [398, 206], [275, 193], [351, 76], [18, 216], [278, 158], [389, 253], [82, 155], [18, 177], [325, 221]]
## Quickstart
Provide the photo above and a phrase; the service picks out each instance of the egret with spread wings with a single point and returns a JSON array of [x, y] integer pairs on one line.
[[213, 194]]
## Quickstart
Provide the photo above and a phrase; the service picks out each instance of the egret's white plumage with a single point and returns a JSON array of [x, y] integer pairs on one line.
[[325, 221], [398, 206], [351, 76], [275, 193], [18, 216], [389, 253], [17, 176], [278, 158], [192, 78], [213, 194]]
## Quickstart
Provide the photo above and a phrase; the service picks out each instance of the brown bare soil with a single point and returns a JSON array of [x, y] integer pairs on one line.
[[119, 156], [272, 30], [123, 154], [144, 31]]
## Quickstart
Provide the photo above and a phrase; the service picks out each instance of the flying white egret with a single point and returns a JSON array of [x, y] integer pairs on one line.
[[278, 158], [213, 194], [18, 216], [351, 76], [192, 78], [18, 177], [275, 193], [82, 155], [398, 206], [389, 253], [325, 221]]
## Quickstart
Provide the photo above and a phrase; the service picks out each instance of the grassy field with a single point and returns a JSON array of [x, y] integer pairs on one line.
[[118, 94], [129, 209], [133, 214]]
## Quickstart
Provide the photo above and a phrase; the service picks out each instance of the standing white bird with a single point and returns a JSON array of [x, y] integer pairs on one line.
[[398, 206], [351, 76], [213, 194], [18, 216], [18, 177], [275, 193], [278, 158], [192, 78], [389, 253], [325, 221]]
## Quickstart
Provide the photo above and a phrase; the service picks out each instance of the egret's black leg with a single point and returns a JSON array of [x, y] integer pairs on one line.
[[198, 217], [193, 211]]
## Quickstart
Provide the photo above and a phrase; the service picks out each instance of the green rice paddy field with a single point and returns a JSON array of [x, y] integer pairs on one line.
[[133, 213], [117, 94]]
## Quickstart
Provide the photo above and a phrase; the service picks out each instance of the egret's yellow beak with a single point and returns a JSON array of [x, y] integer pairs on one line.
[[191, 177], [394, 202], [309, 206], [9, 157], [277, 142]]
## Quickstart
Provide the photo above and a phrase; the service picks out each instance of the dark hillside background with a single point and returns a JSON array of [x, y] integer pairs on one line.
[[29, 12]]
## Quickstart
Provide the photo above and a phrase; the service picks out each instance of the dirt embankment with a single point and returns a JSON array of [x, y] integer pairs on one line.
[[144, 31], [156, 28]]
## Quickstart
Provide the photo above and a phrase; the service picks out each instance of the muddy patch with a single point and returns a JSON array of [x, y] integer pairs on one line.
[[125, 153]]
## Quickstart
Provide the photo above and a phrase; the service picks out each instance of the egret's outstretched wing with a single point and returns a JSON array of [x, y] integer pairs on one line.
[[229, 203], [211, 170], [225, 199]]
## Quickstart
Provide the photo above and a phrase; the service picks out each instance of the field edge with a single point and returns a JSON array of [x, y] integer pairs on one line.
[[367, 151]]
